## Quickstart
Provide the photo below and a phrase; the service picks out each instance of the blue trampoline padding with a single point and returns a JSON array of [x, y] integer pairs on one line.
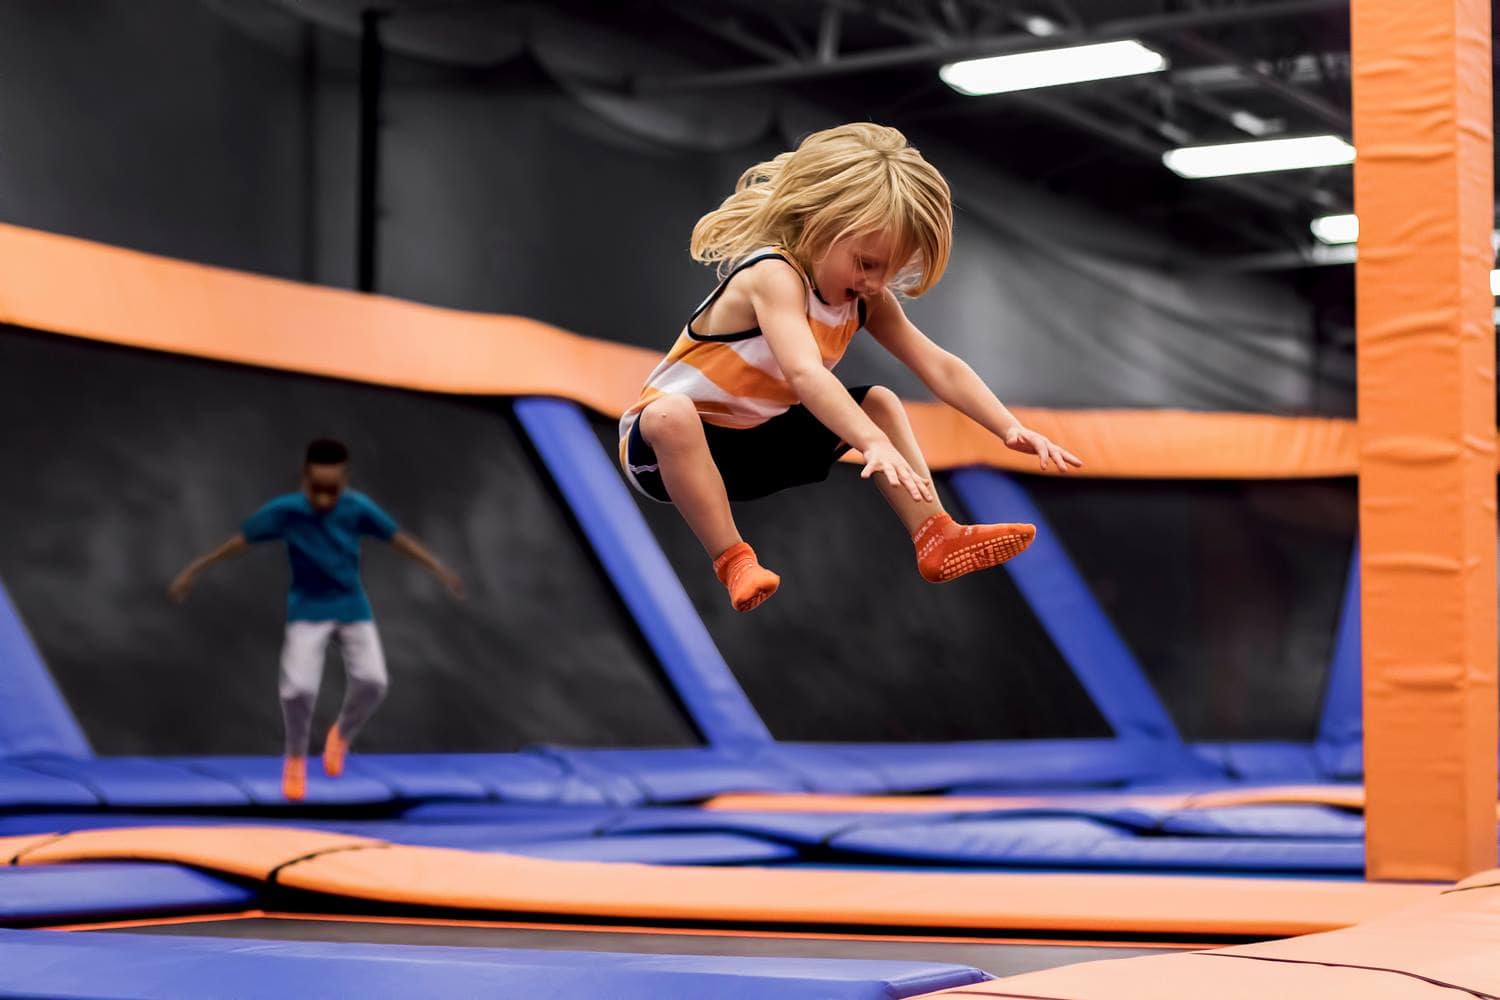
[[1341, 725], [1265, 761], [821, 768], [260, 779], [1280, 821], [1085, 843], [607, 513], [25, 788], [112, 966], [1005, 764], [800, 829], [508, 812], [687, 774], [1067, 610], [136, 782], [113, 890], [1342, 761], [611, 787], [510, 777], [663, 849], [34, 717]]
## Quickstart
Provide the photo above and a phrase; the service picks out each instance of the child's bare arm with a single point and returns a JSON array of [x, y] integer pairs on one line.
[[951, 380], [415, 550], [778, 297], [183, 583]]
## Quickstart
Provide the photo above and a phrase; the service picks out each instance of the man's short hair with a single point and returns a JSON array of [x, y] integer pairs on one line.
[[327, 451]]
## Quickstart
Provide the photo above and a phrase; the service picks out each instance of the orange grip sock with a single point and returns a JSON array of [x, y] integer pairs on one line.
[[334, 748], [294, 778], [947, 551], [749, 582]]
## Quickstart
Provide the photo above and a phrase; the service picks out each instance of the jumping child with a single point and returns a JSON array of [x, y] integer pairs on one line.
[[322, 526], [811, 246]]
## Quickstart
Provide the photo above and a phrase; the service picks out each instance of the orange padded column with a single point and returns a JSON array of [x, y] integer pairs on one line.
[[1422, 126]]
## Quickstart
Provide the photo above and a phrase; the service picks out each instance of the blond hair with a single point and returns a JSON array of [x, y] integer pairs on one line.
[[851, 180]]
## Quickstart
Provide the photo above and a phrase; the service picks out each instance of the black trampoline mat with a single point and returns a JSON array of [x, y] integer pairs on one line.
[[995, 957]]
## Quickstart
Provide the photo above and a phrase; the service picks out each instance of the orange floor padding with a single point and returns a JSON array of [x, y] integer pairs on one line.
[[442, 877], [1444, 947]]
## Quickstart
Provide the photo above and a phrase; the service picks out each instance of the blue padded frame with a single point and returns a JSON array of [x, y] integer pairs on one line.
[[35, 718], [98, 890], [101, 964], [1063, 603], [602, 503], [1340, 742]]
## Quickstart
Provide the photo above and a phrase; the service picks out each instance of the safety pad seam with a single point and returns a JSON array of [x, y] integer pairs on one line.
[[53, 839], [274, 874], [1347, 965]]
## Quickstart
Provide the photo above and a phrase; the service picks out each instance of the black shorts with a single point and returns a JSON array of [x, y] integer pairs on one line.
[[792, 449]]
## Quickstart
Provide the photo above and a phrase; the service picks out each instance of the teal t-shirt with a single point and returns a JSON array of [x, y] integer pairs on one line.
[[324, 552]]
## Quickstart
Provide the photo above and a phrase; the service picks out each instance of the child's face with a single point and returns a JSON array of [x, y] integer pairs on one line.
[[324, 484], [856, 267]]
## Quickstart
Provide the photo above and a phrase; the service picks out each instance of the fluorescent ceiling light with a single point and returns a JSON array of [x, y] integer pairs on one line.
[[1336, 229], [1041, 26], [1051, 67], [1259, 157]]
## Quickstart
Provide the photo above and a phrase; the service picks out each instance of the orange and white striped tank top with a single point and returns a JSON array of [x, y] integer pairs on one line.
[[733, 378]]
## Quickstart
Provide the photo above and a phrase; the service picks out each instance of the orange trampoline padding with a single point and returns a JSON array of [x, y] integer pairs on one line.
[[247, 851], [61, 284], [361, 868], [1343, 796], [1445, 946]]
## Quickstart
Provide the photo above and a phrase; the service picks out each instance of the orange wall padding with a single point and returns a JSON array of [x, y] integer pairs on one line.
[[430, 876], [1445, 946], [64, 285], [1426, 355]]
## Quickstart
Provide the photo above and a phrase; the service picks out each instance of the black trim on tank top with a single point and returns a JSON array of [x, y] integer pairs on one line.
[[729, 338]]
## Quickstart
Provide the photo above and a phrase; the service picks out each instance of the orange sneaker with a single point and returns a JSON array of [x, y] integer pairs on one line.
[[749, 583], [334, 749], [947, 551], [294, 778]]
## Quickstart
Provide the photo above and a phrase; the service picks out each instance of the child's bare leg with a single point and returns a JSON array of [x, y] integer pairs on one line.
[[884, 407], [673, 429], [945, 550]]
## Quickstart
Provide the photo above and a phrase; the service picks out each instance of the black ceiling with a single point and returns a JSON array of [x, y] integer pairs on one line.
[[1238, 69]]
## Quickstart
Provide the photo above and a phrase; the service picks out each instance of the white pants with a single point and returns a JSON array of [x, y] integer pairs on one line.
[[302, 657]]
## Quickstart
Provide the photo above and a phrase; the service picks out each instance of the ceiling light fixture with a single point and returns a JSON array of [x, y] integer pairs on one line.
[[1259, 157], [1336, 229], [1051, 67]]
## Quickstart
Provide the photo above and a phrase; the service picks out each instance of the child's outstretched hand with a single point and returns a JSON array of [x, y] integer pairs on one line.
[[1032, 443], [884, 458], [178, 591], [453, 582]]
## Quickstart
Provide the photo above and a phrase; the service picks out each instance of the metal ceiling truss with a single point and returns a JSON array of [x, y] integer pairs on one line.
[[940, 31]]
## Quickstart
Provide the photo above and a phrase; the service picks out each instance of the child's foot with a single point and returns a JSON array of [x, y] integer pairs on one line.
[[749, 583], [334, 748], [947, 551], [294, 778]]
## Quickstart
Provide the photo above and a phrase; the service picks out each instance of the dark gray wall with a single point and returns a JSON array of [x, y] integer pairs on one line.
[[119, 466], [857, 646], [156, 124]]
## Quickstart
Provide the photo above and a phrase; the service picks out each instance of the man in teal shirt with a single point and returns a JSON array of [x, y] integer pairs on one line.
[[322, 526]]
